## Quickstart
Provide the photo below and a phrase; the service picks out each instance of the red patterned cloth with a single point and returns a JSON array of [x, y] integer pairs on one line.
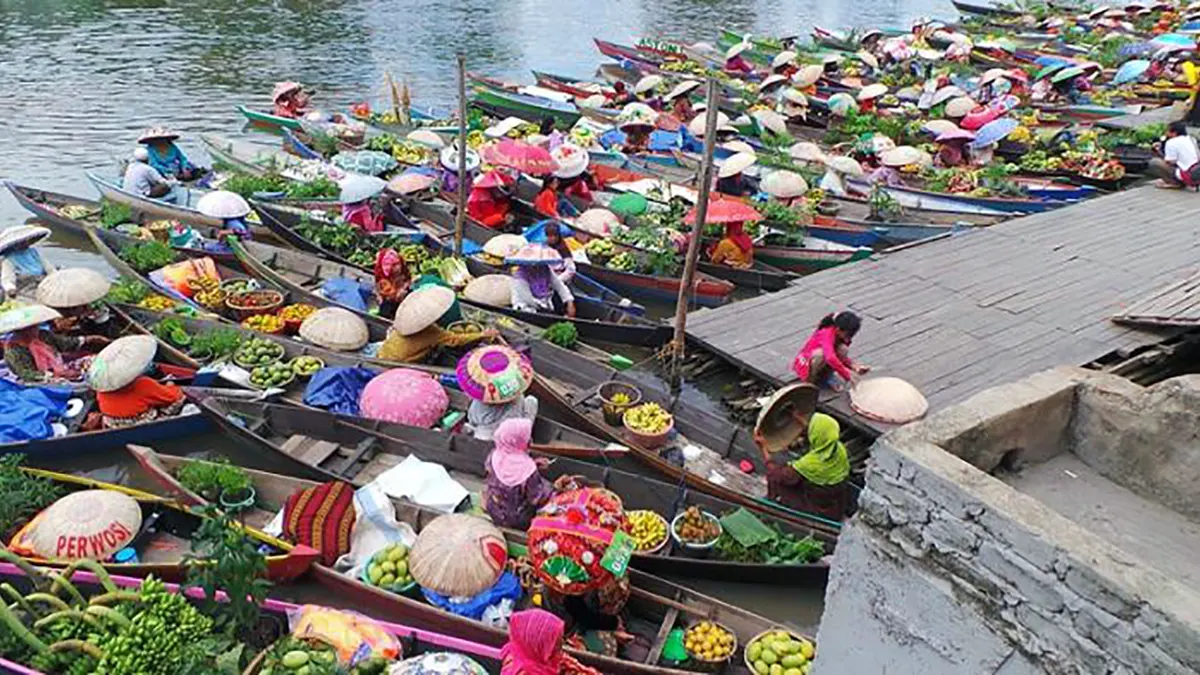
[[569, 536], [321, 517]]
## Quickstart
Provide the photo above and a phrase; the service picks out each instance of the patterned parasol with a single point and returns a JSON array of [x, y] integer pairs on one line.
[[521, 156]]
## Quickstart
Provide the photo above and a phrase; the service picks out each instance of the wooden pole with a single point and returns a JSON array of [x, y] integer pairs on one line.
[[460, 215], [693, 251]]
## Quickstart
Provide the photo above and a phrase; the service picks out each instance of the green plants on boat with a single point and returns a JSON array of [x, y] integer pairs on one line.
[[148, 256], [210, 478], [225, 559], [247, 185], [114, 213], [317, 188], [215, 344], [22, 496], [127, 291], [562, 333]]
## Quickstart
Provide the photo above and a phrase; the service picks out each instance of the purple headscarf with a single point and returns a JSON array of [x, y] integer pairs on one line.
[[538, 277]]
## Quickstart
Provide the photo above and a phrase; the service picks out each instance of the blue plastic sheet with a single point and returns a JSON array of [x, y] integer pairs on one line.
[[611, 137], [664, 141], [346, 292], [337, 389], [26, 412], [506, 587], [537, 231]]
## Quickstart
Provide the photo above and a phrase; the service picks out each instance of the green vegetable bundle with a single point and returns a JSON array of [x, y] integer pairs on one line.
[[562, 333], [22, 496], [247, 185], [783, 549], [148, 256], [215, 344], [127, 291], [210, 478]]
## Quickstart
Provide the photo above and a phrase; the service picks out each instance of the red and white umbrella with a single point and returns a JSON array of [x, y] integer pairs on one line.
[[521, 156], [725, 211]]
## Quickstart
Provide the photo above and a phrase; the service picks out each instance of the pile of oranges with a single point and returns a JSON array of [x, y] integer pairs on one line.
[[709, 641]]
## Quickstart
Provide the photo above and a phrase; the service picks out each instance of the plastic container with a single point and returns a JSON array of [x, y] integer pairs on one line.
[[777, 629], [666, 534], [690, 549], [614, 413]]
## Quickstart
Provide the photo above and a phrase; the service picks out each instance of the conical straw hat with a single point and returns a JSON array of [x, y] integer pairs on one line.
[[92, 524], [23, 317], [121, 362], [777, 423], [72, 287], [335, 328], [771, 121], [422, 308], [504, 245], [599, 222], [901, 156], [494, 374], [458, 555], [490, 289], [888, 399], [806, 151], [426, 137], [737, 164], [784, 184], [647, 83], [223, 204], [21, 235]]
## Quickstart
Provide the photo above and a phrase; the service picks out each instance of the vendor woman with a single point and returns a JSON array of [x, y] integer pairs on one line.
[[535, 647], [37, 355], [392, 281], [817, 482], [827, 351], [515, 489], [290, 99], [536, 288], [124, 394], [735, 249], [166, 157], [489, 201], [415, 333], [22, 265], [75, 294]]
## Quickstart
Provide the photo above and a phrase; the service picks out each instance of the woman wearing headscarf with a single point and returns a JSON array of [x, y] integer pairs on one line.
[[22, 265], [535, 647], [142, 400], [515, 489], [565, 270], [489, 202], [290, 99], [817, 482], [36, 355], [536, 288], [735, 249], [392, 281]]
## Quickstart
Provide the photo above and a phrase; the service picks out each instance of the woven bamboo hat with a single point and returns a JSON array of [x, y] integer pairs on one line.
[[777, 423], [21, 236], [490, 289], [504, 245], [771, 121], [91, 524], [121, 362], [427, 137], [223, 204], [784, 184], [888, 399], [806, 151], [737, 164], [335, 328], [598, 222], [159, 133], [72, 287], [422, 308], [458, 555], [20, 318]]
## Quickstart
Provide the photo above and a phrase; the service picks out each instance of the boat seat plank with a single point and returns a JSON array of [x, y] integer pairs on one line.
[[309, 450], [660, 638]]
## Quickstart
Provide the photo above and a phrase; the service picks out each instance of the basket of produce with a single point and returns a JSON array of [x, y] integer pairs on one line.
[[306, 366], [291, 654], [212, 300], [294, 315], [265, 323], [616, 398], [272, 375], [746, 539], [649, 530], [649, 424], [252, 303], [157, 303], [199, 284], [257, 352], [237, 285], [778, 647], [710, 646], [695, 532], [465, 326], [388, 570]]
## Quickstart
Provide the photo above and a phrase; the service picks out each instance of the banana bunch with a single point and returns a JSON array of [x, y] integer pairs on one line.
[[406, 152], [648, 418]]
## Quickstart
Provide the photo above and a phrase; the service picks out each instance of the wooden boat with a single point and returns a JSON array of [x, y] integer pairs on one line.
[[812, 255], [596, 320], [282, 430], [167, 528], [982, 9], [531, 108], [155, 208], [416, 640], [655, 606], [266, 119], [956, 203], [251, 158], [569, 85], [47, 206]]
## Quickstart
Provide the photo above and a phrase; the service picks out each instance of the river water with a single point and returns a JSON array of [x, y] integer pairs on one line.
[[79, 79]]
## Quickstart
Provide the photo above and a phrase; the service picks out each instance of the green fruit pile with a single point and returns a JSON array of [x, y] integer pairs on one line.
[[272, 375], [258, 352], [780, 653], [623, 262], [388, 568], [602, 249], [293, 656], [306, 366]]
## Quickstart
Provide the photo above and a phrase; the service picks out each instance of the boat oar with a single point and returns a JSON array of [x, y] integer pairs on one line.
[[580, 451]]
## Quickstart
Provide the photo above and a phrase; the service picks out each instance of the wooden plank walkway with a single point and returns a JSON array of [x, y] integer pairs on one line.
[[986, 306], [1176, 304]]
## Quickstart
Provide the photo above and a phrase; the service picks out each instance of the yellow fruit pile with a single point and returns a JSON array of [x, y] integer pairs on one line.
[[648, 528], [204, 284], [780, 653], [158, 303], [267, 323], [297, 312], [648, 418], [709, 642], [620, 398], [212, 298]]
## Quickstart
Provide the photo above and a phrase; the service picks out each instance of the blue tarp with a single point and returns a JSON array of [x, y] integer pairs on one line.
[[26, 412], [337, 389], [537, 231], [507, 586], [346, 292]]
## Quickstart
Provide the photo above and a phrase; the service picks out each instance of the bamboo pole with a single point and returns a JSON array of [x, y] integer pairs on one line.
[[460, 214], [391, 83], [693, 251]]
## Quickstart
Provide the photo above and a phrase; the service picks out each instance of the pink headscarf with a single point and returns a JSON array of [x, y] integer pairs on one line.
[[534, 644], [510, 461]]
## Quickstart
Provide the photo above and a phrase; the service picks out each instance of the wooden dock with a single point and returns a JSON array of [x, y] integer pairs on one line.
[[985, 306]]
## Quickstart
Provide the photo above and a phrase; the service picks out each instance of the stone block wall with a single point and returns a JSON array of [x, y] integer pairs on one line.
[[948, 571]]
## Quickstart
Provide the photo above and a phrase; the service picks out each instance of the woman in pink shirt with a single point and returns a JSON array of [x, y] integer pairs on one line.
[[827, 351]]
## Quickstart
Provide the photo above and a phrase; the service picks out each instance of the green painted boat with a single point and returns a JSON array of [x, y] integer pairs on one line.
[[813, 255], [530, 108], [267, 119]]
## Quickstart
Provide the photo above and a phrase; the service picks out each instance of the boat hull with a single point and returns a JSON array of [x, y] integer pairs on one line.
[[153, 208], [264, 119]]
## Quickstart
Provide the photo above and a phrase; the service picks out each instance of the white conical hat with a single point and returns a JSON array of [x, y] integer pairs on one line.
[[872, 91], [784, 184], [426, 137], [901, 156], [771, 121], [737, 164], [647, 83], [422, 308], [121, 362], [808, 76], [960, 107], [19, 318], [504, 245], [806, 151], [697, 126], [888, 399], [736, 49], [795, 97], [223, 204], [357, 187], [490, 289], [844, 165], [783, 58], [598, 222], [21, 235], [739, 146], [335, 328], [682, 88], [72, 287], [771, 80]]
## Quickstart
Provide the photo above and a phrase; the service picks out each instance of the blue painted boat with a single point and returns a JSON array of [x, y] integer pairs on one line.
[[92, 442], [912, 198]]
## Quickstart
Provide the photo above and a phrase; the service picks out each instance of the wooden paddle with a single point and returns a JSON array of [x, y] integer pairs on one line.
[[580, 451]]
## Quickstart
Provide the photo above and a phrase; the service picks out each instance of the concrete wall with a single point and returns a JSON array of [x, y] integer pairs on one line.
[[1147, 440], [946, 570]]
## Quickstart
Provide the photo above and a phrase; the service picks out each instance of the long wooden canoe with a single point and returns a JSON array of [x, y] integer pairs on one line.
[[267, 119], [155, 208], [284, 428], [416, 640], [161, 549], [655, 606]]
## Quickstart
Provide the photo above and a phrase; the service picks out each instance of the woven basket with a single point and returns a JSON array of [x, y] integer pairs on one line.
[[777, 629], [269, 301], [700, 665], [335, 328]]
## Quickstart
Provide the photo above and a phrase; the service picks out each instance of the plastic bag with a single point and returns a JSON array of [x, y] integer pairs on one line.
[[176, 275], [355, 637], [375, 527]]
